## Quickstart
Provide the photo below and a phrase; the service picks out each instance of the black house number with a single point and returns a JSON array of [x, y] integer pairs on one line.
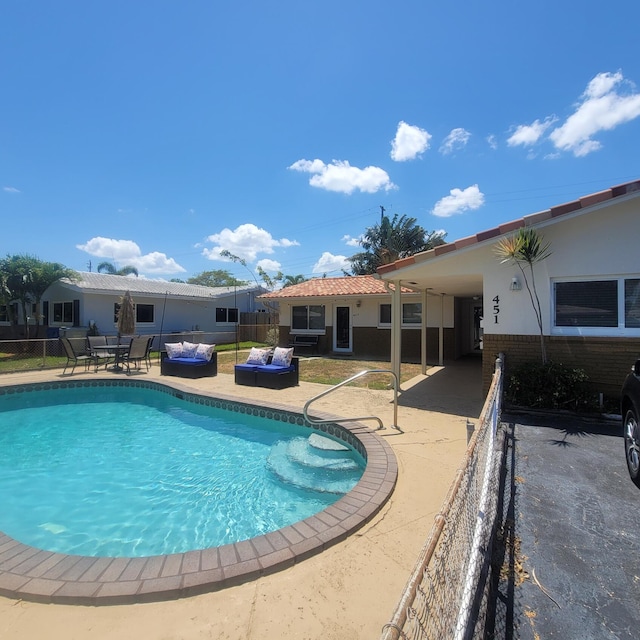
[[496, 309]]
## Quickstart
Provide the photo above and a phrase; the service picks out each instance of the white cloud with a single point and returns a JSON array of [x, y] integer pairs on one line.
[[458, 201], [603, 106], [352, 242], [456, 139], [127, 253], [342, 177], [492, 141], [267, 264], [11, 190], [246, 242], [328, 263], [410, 142], [528, 134]]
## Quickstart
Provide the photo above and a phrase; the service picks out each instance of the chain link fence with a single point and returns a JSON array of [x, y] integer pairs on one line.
[[447, 594], [47, 353]]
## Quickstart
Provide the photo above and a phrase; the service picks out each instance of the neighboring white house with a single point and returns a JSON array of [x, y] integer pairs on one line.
[[161, 307], [589, 289]]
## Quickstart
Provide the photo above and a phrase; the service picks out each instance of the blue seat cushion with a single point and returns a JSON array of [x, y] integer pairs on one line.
[[186, 360], [264, 368], [247, 367], [274, 368]]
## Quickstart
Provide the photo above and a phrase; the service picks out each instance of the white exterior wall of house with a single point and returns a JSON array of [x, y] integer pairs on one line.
[[171, 314], [440, 309], [592, 245]]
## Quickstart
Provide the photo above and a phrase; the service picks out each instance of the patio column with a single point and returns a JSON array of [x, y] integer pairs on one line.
[[396, 328], [423, 333], [441, 332]]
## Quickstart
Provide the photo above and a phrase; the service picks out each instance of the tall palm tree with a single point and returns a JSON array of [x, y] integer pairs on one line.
[[525, 249], [391, 240], [108, 267], [291, 280], [24, 279]]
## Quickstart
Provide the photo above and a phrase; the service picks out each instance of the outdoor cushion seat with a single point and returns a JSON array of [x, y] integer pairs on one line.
[[189, 366], [271, 376]]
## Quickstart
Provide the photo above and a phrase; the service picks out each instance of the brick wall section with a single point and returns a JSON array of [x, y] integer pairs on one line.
[[373, 343], [605, 360]]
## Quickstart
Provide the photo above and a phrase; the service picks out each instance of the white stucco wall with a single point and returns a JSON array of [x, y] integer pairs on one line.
[[598, 243], [174, 315], [367, 314]]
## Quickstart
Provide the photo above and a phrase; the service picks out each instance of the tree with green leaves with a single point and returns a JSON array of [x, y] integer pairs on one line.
[[391, 240], [216, 278], [110, 269], [525, 249], [24, 279], [289, 281], [270, 282]]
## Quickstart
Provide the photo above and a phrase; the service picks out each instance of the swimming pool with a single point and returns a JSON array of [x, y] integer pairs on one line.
[[50, 576]]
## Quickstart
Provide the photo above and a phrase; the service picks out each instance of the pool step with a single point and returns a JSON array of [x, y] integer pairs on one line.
[[321, 468]]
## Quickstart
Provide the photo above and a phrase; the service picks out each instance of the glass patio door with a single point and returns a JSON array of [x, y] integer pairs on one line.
[[342, 329]]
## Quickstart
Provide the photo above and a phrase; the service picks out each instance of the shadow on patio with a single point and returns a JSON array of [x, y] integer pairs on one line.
[[455, 388]]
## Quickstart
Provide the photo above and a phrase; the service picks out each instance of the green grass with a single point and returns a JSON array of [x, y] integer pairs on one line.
[[325, 370]]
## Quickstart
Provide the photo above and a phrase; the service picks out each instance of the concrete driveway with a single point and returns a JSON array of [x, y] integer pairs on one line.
[[571, 516]]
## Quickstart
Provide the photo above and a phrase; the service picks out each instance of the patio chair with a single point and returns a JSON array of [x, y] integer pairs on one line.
[[102, 354], [148, 353], [74, 356], [138, 352]]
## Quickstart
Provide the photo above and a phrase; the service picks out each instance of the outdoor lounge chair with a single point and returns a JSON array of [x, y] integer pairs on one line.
[[138, 352], [74, 355]]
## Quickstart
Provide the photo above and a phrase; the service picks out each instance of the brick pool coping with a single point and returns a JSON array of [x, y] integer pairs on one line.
[[28, 573]]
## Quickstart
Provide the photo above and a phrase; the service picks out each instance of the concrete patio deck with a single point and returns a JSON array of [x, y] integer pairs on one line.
[[348, 590]]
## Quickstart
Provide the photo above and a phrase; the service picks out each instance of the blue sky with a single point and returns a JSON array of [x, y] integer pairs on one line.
[[156, 133]]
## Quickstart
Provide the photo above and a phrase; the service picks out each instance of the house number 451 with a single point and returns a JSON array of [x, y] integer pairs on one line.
[[496, 309]]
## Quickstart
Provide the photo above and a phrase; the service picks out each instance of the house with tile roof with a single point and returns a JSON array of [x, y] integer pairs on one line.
[[474, 305], [351, 315], [589, 290], [161, 307]]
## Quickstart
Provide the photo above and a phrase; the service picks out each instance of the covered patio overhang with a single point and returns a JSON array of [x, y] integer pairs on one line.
[[435, 277]]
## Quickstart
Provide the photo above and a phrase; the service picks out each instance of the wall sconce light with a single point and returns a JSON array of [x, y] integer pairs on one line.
[[358, 303], [515, 284]]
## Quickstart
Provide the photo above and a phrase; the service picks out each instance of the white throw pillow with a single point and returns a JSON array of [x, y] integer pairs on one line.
[[189, 349], [205, 351], [174, 349], [282, 357], [258, 356]]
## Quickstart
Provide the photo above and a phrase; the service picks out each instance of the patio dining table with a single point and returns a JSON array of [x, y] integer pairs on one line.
[[117, 350]]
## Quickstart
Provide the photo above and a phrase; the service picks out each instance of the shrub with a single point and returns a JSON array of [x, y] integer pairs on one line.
[[549, 386]]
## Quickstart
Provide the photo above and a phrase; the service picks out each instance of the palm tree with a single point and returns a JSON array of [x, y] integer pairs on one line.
[[24, 279], [108, 267], [525, 249], [44, 274], [291, 280], [391, 240]]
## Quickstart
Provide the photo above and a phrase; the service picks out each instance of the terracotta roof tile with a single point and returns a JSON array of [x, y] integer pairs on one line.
[[329, 287]]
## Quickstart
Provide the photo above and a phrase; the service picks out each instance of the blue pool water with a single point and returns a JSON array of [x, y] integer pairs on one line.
[[115, 471]]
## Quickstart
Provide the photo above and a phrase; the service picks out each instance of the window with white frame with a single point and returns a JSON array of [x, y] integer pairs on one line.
[[63, 312], [226, 315], [307, 318], [411, 314], [144, 313], [602, 306], [4, 313]]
